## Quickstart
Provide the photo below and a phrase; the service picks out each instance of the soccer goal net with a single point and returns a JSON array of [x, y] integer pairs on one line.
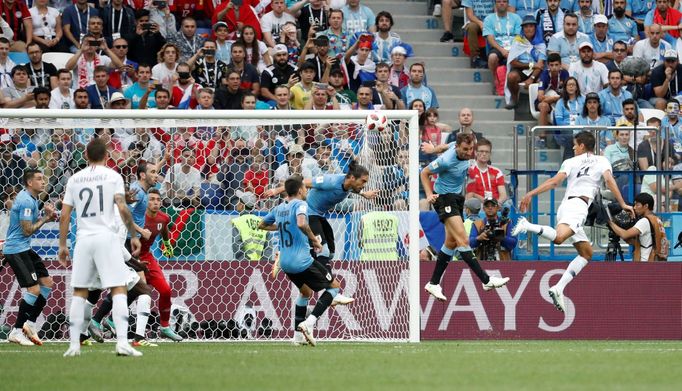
[[214, 169]]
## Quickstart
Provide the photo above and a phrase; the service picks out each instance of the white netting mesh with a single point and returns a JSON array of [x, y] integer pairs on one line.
[[217, 291]]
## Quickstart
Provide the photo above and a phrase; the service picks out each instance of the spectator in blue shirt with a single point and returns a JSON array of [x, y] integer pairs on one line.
[[75, 21], [526, 60], [566, 42], [476, 11], [592, 116], [586, 17], [550, 20], [612, 97], [100, 93], [552, 81], [525, 7], [602, 43], [622, 28], [499, 29], [417, 90], [637, 10]]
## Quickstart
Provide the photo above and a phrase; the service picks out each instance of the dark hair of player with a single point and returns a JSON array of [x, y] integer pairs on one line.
[[645, 199], [293, 184], [586, 139], [96, 150], [29, 173], [154, 190], [465, 138], [356, 170], [141, 169]]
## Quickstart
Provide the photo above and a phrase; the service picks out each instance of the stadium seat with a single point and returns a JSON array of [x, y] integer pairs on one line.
[[57, 59], [532, 97], [649, 113], [19, 57]]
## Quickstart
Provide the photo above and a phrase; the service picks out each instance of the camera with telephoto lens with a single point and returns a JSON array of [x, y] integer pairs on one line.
[[495, 231], [622, 219]]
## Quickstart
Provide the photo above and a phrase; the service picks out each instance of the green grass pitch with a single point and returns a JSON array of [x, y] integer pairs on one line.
[[452, 365]]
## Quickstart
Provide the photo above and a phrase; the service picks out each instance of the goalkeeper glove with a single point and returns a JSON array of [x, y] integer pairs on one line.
[[167, 249]]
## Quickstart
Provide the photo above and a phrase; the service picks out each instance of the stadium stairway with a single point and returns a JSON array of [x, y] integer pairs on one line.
[[455, 83]]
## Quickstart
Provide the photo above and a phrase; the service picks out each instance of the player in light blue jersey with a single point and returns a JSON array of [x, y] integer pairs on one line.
[[452, 168], [327, 191], [146, 179], [290, 219], [28, 267]]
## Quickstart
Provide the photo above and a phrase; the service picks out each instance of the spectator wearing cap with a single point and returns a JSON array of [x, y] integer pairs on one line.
[[339, 38], [592, 75], [399, 77], [19, 94], [613, 96], [621, 27], [586, 17], [601, 42], [159, 13], [229, 95], [668, 17], [417, 90], [481, 238], [551, 21], [62, 96], [248, 73], [344, 95], [207, 70], [118, 101], [526, 60], [384, 94], [187, 39], [100, 92], [302, 91], [523, 8], [484, 179], [237, 16], [567, 41], [147, 41], [592, 114], [384, 39], [359, 64], [272, 22], [358, 18], [653, 48], [666, 80], [223, 44], [321, 59], [280, 72], [311, 15], [499, 29]]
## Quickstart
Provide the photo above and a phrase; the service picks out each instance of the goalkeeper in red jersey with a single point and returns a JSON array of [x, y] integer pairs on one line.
[[157, 222]]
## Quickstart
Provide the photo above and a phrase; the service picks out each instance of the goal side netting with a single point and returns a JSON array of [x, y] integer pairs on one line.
[[214, 168]]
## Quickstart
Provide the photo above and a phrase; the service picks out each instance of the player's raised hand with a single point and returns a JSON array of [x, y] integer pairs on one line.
[[525, 201], [50, 211], [135, 246], [370, 194], [427, 147], [63, 256]]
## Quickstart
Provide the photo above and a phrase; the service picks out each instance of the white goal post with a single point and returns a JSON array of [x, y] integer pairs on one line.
[[216, 289]]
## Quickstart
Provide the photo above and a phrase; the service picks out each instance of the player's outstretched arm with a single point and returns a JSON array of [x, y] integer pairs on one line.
[[127, 218], [267, 227], [613, 186], [29, 228], [547, 185], [428, 147], [64, 222]]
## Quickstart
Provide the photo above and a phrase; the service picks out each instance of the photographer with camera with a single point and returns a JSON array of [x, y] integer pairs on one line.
[[208, 71], [159, 13], [147, 40], [491, 237], [647, 234]]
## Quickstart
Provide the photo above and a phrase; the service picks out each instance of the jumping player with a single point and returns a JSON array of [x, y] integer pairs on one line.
[[585, 173], [28, 267], [92, 194], [309, 275], [452, 168]]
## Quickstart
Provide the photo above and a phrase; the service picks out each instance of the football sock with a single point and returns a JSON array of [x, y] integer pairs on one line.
[[26, 309], [93, 296], [444, 257], [87, 316], [545, 231], [164, 301], [38, 307], [120, 315], [76, 316], [103, 310], [301, 310], [324, 302], [576, 265], [144, 303], [468, 256]]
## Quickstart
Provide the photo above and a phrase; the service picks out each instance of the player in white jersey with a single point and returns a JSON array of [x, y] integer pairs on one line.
[[585, 173], [93, 193]]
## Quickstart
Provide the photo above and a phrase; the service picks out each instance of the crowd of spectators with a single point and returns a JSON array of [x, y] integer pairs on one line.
[[195, 55]]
